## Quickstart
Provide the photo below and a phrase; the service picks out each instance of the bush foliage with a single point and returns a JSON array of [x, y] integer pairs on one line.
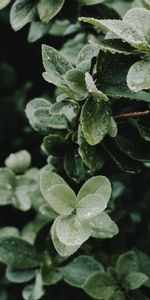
[[75, 150]]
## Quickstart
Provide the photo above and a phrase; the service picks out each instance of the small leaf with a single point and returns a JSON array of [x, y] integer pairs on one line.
[[86, 54], [79, 269], [19, 276], [95, 120], [113, 130], [100, 285], [55, 65], [91, 87], [48, 9], [90, 206], [91, 2], [103, 226], [74, 166], [19, 162], [61, 198], [68, 108], [36, 31], [76, 82], [63, 250], [118, 296], [17, 253], [34, 291], [135, 280], [96, 185], [138, 77], [22, 12], [71, 231], [127, 262]]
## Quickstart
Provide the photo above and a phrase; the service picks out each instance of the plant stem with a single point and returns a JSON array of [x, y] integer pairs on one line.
[[135, 114]]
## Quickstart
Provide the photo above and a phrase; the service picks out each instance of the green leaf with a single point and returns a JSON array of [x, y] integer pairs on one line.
[[9, 231], [114, 46], [50, 274], [113, 130], [61, 198], [118, 296], [55, 65], [138, 77], [100, 285], [91, 87], [91, 2], [76, 82], [71, 231], [103, 226], [48, 9], [90, 206], [63, 250], [132, 29], [144, 265], [36, 31], [7, 186], [37, 111], [19, 162], [86, 54], [99, 185], [79, 269], [34, 291], [19, 276], [74, 166], [68, 108], [135, 280], [91, 156], [127, 263], [48, 179], [95, 120], [22, 12], [17, 253]]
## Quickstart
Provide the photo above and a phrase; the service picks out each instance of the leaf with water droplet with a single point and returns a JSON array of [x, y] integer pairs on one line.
[[138, 77]]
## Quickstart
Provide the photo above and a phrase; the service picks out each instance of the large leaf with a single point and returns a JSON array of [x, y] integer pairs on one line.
[[95, 120], [48, 9], [90, 206], [71, 231], [78, 270], [22, 12], [132, 29], [100, 285], [63, 250], [96, 185], [103, 226], [138, 77], [55, 65], [17, 253], [61, 198]]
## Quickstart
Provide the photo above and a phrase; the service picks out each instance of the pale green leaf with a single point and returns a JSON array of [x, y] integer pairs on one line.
[[138, 77], [91, 2], [19, 162], [34, 291], [87, 53], [22, 12], [48, 9], [55, 65], [63, 250], [4, 3], [61, 198], [71, 231], [48, 179], [103, 226], [96, 185], [91, 87], [113, 130], [90, 206]]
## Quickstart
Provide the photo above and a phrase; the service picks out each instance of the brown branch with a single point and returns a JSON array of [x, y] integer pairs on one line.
[[135, 114]]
